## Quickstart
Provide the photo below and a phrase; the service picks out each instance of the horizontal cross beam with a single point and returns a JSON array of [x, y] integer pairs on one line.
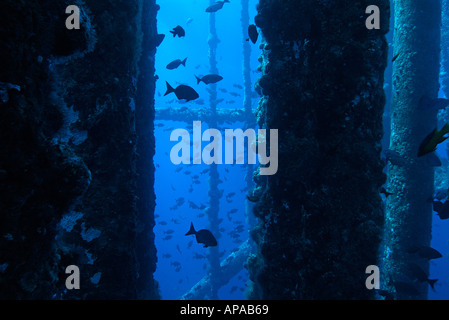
[[189, 115]]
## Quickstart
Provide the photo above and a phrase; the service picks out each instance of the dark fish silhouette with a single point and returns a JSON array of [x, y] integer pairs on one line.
[[395, 158], [178, 31], [208, 79], [418, 273], [230, 195], [385, 192], [395, 57], [253, 34], [216, 6], [429, 144], [433, 104], [182, 92], [433, 160], [442, 209], [176, 63], [425, 252], [252, 198], [203, 236], [159, 39]]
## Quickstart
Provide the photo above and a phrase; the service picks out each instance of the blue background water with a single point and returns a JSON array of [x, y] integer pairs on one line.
[[181, 261], [175, 182]]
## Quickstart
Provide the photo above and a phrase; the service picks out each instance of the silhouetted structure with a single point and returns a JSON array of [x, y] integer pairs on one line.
[[415, 74], [321, 214]]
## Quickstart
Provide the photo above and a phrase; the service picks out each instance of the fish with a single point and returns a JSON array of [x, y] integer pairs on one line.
[[394, 157], [192, 205], [200, 102], [182, 92], [385, 192], [418, 273], [235, 94], [230, 195], [216, 6], [252, 198], [433, 104], [253, 34], [425, 252], [433, 160], [442, 209], [203, 236], [189, 21], [430, 142], [208, 79], [176, 63], [178, 31], [159, 39], [238, 86], [395, 57], [197, 255]]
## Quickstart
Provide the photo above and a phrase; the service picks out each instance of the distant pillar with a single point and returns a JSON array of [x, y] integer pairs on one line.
[[415, 74], [321, 214], [214, 192]]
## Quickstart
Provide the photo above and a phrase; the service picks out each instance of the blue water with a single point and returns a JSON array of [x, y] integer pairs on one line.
[[181, 261], [439, 268]]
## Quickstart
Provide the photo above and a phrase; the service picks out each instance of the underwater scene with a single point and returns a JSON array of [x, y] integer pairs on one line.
[[224, 150]]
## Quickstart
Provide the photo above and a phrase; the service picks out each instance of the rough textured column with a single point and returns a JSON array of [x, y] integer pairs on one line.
[[445, 49], [415, 74], [249, 121], [68, 164], [145, 147], [321, 214], [38, 180]]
